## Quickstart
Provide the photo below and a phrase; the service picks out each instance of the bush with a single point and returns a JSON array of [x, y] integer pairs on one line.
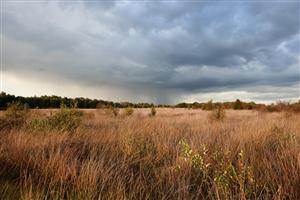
[[15, 115], [16, 110], [64, 120], [208, 106], [153, 112], [238, 105], [296, 107], [217, 114], [128, 111], [272, 108]]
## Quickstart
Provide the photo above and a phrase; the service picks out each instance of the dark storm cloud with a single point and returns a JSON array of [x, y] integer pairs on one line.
[[156, 50]]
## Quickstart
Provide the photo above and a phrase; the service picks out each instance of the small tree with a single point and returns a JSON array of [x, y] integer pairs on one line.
[[238, 105]]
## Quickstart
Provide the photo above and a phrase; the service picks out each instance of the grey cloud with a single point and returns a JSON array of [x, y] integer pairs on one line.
[[157, 48]]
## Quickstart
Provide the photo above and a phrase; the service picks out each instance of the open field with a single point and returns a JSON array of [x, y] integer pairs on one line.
[[176, 154]]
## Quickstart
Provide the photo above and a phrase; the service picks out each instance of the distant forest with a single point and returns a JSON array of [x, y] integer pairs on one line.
[[79, 102]]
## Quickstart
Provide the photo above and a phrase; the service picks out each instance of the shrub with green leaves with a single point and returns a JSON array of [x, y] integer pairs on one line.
[[64, 120]]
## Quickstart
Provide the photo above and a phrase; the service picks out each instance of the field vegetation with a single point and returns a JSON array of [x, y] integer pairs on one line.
[[149, 153]]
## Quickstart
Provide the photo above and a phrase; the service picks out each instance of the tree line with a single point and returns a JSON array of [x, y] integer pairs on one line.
[[240, 105], [56, 102]]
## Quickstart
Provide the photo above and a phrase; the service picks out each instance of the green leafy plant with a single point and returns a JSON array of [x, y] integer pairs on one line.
[[219, 171], [197, 160], [65, 119]]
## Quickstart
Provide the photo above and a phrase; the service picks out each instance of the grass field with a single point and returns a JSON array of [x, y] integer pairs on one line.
[[176, 154]]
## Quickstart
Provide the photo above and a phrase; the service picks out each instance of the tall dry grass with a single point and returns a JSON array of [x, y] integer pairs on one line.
[[178, 154]]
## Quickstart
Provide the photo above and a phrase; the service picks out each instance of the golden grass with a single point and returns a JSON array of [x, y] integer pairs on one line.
[[178, 154]]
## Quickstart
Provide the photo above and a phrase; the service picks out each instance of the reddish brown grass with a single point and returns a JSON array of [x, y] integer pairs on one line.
[[178, 154]]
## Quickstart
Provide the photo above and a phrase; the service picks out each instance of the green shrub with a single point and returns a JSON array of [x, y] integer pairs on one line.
[[64, 120], [238, 105]]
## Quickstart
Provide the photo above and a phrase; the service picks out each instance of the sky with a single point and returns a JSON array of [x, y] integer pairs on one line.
[[152, 51]]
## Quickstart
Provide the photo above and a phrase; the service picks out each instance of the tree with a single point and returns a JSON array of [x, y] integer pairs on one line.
[[237, 105]]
